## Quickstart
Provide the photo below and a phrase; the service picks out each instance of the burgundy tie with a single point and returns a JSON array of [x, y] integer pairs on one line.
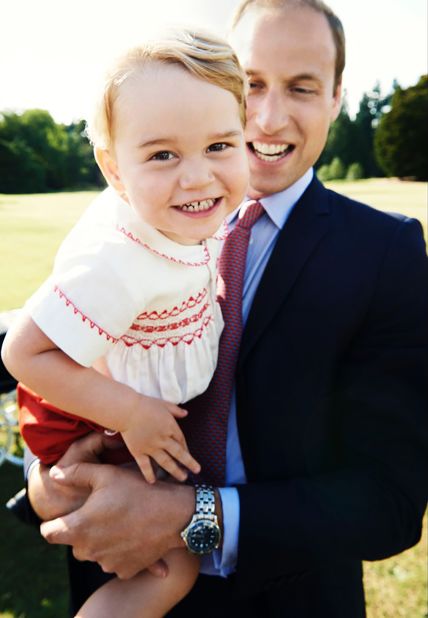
[[206, 426]]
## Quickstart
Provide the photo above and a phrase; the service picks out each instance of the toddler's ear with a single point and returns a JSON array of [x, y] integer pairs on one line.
[[109, 168]]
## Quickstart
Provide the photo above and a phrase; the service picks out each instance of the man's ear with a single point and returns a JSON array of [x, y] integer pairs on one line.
[[337, 102], [109, 168]]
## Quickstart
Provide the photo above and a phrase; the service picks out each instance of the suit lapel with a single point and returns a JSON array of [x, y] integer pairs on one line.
[[307, 224]]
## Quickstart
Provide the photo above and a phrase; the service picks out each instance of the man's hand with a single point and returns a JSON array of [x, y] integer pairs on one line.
[[126, 525], [50, 499]]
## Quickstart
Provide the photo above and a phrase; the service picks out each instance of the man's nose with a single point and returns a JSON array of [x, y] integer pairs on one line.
[[195, 174], [273, 114]]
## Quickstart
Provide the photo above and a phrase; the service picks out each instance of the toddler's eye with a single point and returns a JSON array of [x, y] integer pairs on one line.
[[218, 147], [162, 155]]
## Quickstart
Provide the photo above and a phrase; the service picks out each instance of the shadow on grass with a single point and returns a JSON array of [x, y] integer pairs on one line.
[[33, 575]]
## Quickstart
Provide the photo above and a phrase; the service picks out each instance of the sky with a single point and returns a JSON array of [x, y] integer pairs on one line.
[[52, 52]]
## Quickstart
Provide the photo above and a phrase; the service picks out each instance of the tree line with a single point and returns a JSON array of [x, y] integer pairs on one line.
[[387, 137], [38, 155]]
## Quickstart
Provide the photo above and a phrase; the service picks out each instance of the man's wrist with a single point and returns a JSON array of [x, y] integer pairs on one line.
[[184, 500], [202, 532], [188, 502]]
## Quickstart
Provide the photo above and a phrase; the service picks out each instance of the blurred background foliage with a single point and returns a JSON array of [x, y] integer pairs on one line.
[[387, 137]]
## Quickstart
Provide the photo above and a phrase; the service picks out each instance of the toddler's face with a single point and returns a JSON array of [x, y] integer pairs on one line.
[[180, 151]]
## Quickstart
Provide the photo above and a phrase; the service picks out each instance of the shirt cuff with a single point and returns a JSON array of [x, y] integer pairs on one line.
[[225, 559]]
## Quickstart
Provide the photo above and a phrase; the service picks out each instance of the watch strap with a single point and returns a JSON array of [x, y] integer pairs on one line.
[[205, 500]]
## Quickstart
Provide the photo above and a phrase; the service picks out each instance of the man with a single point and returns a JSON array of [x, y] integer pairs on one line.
[[327, 436]]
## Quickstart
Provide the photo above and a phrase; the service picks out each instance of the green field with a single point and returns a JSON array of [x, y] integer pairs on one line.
[[31, 229], [32, 226], [32, 574]]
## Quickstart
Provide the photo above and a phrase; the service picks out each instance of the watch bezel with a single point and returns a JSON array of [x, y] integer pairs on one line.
[[198, 524]]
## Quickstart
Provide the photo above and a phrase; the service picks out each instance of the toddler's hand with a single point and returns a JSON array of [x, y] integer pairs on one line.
[[152, 431]]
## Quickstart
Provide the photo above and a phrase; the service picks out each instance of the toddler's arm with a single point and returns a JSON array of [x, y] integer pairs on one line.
[[147, 425]]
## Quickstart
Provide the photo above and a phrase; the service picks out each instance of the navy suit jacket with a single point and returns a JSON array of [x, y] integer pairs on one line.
[[332, 406]]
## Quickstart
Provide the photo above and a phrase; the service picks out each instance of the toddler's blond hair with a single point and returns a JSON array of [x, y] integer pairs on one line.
[[204, 55]]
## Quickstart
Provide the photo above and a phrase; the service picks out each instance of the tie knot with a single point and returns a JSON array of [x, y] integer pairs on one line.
[[249, 213]]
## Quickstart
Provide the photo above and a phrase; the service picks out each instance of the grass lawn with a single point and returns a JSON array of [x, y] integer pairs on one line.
[[32, 573], [32, 226], [33, 577], [408, 198], [31, 229]]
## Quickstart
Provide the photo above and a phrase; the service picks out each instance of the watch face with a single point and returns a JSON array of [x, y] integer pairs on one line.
[[203, 537]]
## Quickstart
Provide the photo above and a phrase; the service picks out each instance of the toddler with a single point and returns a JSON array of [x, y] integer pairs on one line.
[[127, 326]]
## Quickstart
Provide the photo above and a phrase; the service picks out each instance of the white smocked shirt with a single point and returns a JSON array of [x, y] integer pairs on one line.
[[122, 291]]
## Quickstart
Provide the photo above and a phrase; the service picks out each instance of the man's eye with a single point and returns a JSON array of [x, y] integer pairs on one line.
[[299, 90], [162, 155], [218, 147]]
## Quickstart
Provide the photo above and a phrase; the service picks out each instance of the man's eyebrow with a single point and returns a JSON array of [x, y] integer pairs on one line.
[[309, 77], [294, 78], [163, 141]]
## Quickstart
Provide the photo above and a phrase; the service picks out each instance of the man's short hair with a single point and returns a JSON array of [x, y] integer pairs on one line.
[[334, 22]]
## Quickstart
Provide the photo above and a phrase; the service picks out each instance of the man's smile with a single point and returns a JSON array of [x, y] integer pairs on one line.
[[270, 152]]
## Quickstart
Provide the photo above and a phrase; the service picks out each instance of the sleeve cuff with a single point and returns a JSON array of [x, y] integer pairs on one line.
[[225, 559]]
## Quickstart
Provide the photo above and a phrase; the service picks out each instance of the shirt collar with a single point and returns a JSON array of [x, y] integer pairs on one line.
[[279, 205]]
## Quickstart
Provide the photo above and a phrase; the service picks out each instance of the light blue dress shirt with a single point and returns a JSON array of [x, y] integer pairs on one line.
[[262, 241]]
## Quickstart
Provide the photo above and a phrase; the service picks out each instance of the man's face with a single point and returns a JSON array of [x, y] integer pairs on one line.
[[289, 56]]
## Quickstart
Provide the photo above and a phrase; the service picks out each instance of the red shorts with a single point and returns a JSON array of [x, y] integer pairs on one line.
[[49, 431]]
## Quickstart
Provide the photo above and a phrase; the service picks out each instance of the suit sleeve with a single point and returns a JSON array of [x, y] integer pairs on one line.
[[369, 505]]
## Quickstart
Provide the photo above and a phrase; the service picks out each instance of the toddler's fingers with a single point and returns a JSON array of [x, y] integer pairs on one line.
[[182, 440], [178, 436], [183, 456], [146, 468], [170, 465], [176, 411]]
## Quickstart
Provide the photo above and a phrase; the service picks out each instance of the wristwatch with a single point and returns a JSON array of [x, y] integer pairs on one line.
[[202, 535]]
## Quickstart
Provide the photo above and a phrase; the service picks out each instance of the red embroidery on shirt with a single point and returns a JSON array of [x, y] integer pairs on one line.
[[186, 304], [84, 317], [162, 342], [222, 232], [172, 325], [129, 235], [145, 343]]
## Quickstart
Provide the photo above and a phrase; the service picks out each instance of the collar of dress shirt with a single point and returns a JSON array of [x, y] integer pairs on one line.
[[279, 205]]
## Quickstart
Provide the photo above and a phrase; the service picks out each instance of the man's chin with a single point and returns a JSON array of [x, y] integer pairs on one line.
[[261, 185]]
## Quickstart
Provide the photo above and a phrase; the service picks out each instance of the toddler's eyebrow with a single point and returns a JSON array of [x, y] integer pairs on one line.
[[162, 141], [224, 135]]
